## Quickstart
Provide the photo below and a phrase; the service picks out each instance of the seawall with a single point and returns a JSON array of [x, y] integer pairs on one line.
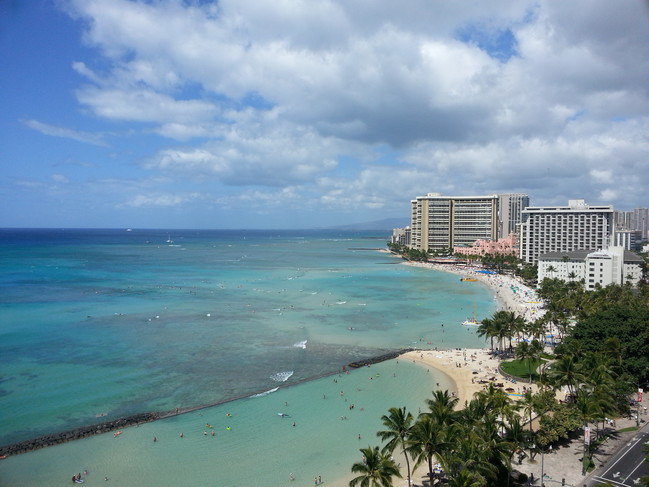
[[76, 434], [379, 358], [108, 426]]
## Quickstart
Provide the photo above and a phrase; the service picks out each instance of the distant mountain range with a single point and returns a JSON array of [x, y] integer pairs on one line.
[[387, 224]]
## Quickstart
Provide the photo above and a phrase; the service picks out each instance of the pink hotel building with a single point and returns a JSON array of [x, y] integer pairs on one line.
[[502, 246]]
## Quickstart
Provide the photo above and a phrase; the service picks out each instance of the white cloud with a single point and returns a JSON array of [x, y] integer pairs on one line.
[[162, 200], [601, 175], [299, 96], [267, 154], [59, 178], [66, 133], [144, 105]]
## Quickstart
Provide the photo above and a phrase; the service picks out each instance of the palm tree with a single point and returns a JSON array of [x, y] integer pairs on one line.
[[589, 411], [442, 407], [487, 329], [600, 378], [536, 328], [497, 404], [477, 448], [507, 324], [531, 352], [427, 440], [398, 423], [528, 405], [376, 469], [466, 479], [516, 434], [566, 372]]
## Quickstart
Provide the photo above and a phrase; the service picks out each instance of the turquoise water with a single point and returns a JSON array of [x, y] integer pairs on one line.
[[101, 324]]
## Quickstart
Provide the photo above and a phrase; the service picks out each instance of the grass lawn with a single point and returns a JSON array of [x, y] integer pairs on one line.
[[520, 368]]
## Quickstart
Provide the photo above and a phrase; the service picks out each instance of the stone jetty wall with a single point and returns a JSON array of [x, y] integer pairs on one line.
[[75, 434], [95, 429], [379, 358]]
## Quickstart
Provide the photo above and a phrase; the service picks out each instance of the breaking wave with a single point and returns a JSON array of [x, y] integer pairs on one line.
[[261, 394], [282, 376]]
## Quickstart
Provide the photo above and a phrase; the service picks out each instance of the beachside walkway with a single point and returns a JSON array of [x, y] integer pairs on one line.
[[564, 462]]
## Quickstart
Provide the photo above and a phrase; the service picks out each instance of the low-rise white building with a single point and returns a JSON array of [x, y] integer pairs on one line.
[[614, 265]]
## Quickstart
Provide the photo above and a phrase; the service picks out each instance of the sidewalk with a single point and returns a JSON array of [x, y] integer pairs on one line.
[[565, 461]]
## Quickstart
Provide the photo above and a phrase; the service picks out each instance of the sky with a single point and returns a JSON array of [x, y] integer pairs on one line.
[[315, 113]]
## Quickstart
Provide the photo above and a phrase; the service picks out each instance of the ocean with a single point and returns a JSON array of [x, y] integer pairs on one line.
[[102, 324]]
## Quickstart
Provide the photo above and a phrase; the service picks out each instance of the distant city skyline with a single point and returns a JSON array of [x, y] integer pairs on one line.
[[247, 114]]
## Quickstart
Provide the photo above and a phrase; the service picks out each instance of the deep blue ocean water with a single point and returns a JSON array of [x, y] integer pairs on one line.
[[100, 324]]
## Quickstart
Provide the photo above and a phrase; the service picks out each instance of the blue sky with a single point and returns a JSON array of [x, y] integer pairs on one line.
[[310, 113]]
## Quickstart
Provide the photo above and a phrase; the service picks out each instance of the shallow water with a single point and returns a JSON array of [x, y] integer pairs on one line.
[[103, 324], [260, 448]]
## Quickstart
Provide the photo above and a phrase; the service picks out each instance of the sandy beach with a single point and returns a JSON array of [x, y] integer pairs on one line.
[[512, 295], [472, 369]]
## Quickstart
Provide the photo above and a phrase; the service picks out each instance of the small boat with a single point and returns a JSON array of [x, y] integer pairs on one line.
[[471, 322], [468, 279]]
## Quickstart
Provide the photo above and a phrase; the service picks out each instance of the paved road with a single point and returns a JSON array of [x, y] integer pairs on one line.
[[627, 466]]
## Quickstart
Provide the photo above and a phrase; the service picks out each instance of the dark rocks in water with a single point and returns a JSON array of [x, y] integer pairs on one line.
[[75, 434], [380, 358]]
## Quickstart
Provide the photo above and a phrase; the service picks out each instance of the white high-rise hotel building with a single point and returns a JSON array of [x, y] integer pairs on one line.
[[577, 226]]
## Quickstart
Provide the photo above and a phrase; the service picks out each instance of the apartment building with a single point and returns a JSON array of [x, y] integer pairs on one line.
[[636, 220], [578, 226], [510, 212], [641, 222], [442, 222], [401, 236]]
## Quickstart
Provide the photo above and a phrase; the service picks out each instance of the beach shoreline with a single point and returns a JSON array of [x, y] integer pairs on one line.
[[469, 370], [510, 293]]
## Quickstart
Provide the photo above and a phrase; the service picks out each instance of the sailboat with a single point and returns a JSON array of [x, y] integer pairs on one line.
[[472, 321]]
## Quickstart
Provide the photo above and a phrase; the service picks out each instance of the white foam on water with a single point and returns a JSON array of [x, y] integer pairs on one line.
[[262, 394], [301, 344], [282, 376]]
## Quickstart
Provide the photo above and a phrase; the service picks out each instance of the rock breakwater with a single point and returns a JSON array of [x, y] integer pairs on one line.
[[77, 433], [379, 358]]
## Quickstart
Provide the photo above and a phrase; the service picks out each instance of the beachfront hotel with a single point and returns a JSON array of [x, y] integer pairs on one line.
[[577, 226], [502, 246], [613, 265], [440, 222]]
